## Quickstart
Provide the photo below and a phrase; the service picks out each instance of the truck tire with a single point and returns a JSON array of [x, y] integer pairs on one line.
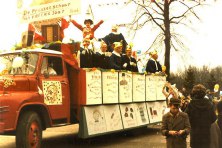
[[29, 131]]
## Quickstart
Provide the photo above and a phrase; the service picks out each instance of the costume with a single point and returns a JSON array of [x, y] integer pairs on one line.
[[87, 31], [114, 37], [116, 61], [102, 60], [131, 63], [177, 123], [201, 114], [153, 66], [86, 58]]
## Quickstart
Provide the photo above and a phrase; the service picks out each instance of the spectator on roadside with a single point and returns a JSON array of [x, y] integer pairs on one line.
[[185, 98], [116, 57], [129, 62], [209, 95], [184, 102], [115, 36], [169, 91], [102, 58], [201, 114], [216, 129], [87, 30], [175, 126], [153, 66], [86, 55]]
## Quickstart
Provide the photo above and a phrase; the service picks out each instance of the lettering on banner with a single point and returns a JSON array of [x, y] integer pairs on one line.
[[49, 11], [139, 85], [94, 84], [110, 87], [150, 88]]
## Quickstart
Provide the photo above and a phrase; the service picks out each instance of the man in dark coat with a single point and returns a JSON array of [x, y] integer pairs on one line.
[[102, 58], [86, 55], [116, 57], [129, 62], [201, 114], [153, 65], [114, 36], [175, 126]]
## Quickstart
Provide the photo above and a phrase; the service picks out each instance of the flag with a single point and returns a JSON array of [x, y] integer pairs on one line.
[[68, 56], [38, 37], [31, 28], [36, 34], [63, 25]]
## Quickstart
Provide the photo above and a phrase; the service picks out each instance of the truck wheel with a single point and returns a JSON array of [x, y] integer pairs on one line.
[[29, 131]]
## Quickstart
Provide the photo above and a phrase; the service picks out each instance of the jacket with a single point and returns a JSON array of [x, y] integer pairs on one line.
[[179, 122], [201, 114]]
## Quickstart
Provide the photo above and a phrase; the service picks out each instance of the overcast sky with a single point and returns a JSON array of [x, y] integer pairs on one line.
[[205, 45]]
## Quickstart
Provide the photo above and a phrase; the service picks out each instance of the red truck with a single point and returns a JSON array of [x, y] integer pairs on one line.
[[42, 88]]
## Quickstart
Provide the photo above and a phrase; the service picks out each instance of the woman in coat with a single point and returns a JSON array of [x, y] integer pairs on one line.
[[201, 114]]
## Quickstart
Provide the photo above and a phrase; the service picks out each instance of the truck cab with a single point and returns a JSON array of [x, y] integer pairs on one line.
[[34, 94]]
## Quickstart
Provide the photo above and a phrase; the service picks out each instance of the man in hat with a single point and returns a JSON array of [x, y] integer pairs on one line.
[[114, 36], [129, 62], [86, 55], [153, 65], [88, 31], [102, 57], [175, 126], [116, 57]]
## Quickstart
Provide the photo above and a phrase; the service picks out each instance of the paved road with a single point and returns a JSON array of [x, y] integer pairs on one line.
[[66, 137]]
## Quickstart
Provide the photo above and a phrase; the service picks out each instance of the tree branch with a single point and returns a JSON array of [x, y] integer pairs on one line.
[[189, 9]]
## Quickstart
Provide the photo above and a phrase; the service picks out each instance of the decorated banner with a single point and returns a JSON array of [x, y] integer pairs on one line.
[[156, 110], [52, 91], [128, 115], [160, 81], [150, 88], [113, 117], [139, 88], [152, 112], [95, 119], [110, 87], [35, 10], [162, 107], [125, 87], [141, 113], [93, 87]]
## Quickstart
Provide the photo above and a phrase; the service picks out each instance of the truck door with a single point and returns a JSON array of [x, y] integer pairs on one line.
[[55, 88]]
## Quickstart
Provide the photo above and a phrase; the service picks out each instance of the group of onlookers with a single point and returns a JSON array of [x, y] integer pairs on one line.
[[199, 119]]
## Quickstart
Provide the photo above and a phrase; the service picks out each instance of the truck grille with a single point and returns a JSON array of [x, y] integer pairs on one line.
[[4, 109]]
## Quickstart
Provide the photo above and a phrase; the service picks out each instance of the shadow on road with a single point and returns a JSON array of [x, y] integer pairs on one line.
[[140, 137]]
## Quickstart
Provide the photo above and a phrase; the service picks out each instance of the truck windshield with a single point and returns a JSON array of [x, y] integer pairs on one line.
[[18, 63]]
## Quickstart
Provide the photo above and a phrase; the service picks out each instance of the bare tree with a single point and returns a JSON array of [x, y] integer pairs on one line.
[[167, 15]]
